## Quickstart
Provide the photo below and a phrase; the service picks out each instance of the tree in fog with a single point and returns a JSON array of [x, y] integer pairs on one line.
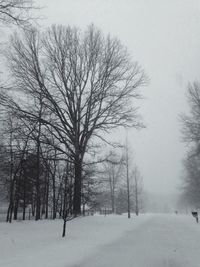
[[14, 159], [137, 190], [87, 82], [90, 185], [191, 135], [191, 180], [4, 172], [127, 162], [113, 171], [191, 122]]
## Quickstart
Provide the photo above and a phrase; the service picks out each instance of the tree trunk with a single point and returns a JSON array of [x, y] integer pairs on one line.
[[38, 189], [12, 180], [38, 204], [136, 201], [47, 199], [54, 197], [16, 205], [77, 188], [127, 182], [16, 198], [71, 195], [64, 228], [33, 206], [84, 208], [24, 197], [24, 211], [65, 212], [11, 203], [111, 182]]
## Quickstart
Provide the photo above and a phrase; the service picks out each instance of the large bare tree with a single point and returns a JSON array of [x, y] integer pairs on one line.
[[87, 83]]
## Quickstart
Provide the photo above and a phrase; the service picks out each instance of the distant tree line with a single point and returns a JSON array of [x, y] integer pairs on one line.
[[115, 194]]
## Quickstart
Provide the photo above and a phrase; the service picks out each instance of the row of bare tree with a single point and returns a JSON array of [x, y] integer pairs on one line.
[[36, 181], [49, 185], [120, 193], [191, 135]]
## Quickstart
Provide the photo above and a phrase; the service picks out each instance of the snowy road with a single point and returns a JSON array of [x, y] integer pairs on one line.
[[161, 241]]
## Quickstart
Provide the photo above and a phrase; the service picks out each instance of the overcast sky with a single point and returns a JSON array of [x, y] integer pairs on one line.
[[164, 37]]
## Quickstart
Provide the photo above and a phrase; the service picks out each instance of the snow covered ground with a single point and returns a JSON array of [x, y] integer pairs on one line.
[[111, 241]]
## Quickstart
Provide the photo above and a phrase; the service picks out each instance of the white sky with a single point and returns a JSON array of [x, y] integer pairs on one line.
[[164, 36]]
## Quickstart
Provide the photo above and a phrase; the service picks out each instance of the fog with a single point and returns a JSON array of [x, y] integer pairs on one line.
[[164, 37]]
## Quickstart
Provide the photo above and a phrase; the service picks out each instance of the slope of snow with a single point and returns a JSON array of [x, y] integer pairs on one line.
[[39, 244]]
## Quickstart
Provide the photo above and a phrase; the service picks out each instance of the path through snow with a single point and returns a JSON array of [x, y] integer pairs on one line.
[[162, 241]]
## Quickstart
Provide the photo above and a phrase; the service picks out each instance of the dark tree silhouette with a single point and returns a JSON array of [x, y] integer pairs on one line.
[[87, 82]]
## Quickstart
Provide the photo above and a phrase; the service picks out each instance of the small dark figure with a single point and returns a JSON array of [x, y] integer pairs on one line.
[[176, 212], [195, 214]]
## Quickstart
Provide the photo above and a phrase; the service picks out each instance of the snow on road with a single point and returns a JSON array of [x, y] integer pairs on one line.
[[163, 241], [98, 241]]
